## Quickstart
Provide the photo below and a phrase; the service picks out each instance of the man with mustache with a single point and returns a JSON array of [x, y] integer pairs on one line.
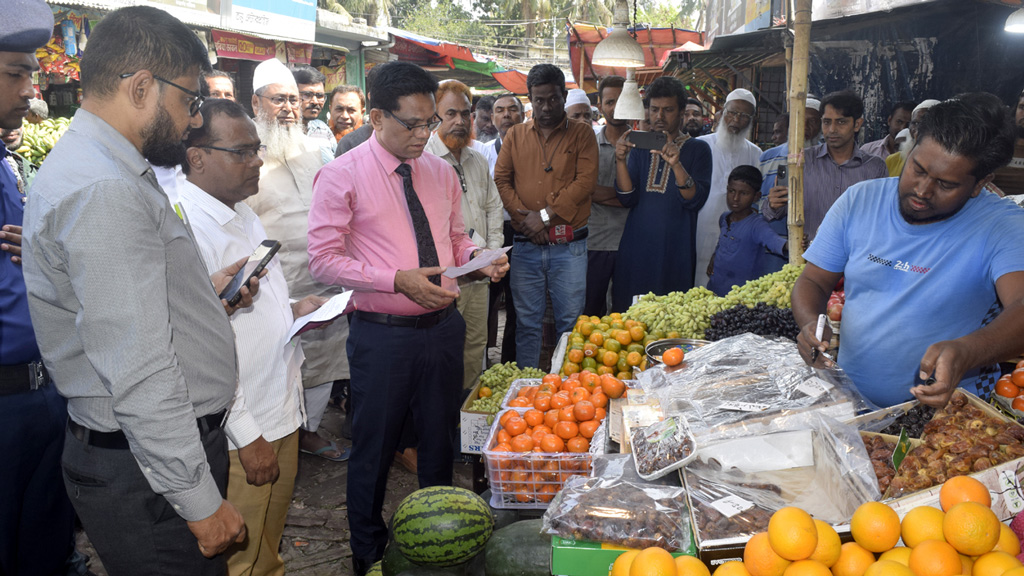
[[286, 191], [830, 167], [347, 108], [129, 324], [483, 128], [481, 212], [927, 256], [693, 118], [730, 147]]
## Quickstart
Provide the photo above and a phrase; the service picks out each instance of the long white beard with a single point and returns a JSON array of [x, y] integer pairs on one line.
[[731, 144], [280, 140]]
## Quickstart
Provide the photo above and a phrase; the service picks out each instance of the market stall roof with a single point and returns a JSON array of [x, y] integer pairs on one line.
[[453, 61], [727, 56], [656, 42]]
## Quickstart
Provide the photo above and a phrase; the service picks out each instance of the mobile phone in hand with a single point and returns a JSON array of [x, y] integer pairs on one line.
[[253, 267], [780, 177], [648, 140]]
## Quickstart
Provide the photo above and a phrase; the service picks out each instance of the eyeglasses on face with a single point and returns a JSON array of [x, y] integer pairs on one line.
[[281, 100], [242, 154], [737, 115], [193, 105], [433, 123], [307, 95]]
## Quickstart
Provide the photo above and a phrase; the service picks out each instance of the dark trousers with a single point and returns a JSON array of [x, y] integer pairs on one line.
[[135, 530], [36, 518], [600, 268], [497, 290], [397, 372]]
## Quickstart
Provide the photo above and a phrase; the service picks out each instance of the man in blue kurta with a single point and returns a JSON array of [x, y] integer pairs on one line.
[[929, 260], [36, 518], [664, 189]]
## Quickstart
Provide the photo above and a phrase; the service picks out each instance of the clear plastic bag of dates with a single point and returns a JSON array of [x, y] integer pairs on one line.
[[803, 460], [746, 378], [616, 510], [662, 447]]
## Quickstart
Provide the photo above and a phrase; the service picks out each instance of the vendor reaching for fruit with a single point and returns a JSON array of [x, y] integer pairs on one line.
[[933, 265]]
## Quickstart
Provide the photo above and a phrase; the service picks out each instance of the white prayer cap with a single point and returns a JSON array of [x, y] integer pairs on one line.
[[813, 103], [925, 105], [742, 94], [576, 96], [272, 72], [903, 134]]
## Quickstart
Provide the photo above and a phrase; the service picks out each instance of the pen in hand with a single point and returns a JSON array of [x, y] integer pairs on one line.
[[818, 333]]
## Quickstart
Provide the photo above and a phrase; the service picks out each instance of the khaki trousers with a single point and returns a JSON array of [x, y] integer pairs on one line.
[[264, 509], [472, 304]]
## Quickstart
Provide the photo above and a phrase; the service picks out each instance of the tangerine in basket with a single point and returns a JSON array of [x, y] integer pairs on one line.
[[565, 413], [584, 410], [552, 443], [599, 400], [522, 443], [566, 429], [577, 444], [588, 428], [551, 418], [1018, 403], [1017, 376], [672, 356], [1007, 389], [542, 402], [612, 386], [560, 399], [515, 426]]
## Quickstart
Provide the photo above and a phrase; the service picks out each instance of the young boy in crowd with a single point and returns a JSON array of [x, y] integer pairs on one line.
[[745, 235]]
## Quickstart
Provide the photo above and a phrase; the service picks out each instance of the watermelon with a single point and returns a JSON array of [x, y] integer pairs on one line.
[[375, 570], [441, 525]]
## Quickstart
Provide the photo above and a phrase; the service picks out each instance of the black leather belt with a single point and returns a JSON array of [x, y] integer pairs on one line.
[[428, 320], [22, 378], [576, 235], [116, 440]]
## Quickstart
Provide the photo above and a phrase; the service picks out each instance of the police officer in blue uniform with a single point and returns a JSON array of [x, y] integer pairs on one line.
[[36, 517]]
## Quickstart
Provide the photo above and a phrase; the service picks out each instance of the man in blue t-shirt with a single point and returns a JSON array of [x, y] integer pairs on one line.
[[928, 258]]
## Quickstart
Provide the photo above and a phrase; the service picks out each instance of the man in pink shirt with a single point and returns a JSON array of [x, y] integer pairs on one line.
[[386, 221]]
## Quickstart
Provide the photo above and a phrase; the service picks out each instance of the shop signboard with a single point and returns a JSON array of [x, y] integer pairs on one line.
[[299, 53], [334, 77], [739, 16], [242, 47], [828, 9], [289, 18], [204, 6]]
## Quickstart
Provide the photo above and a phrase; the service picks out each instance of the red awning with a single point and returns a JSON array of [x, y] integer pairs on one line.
[[656, 42], [515, 82], [439, 54]]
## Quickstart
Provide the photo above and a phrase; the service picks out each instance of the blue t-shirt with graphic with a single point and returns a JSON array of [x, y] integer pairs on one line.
[[910, 286]]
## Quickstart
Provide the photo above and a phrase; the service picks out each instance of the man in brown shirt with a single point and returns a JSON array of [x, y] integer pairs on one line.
[[546, 173]]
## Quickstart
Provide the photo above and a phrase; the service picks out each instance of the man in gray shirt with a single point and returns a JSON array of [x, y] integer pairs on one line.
[[607, 216], [128, 323]]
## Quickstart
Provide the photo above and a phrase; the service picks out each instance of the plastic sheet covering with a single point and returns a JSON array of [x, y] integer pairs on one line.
[[616, 506], [730, 501], [748, 378]]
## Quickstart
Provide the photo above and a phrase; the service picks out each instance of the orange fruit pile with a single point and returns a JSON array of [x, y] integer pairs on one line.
[[964, 538], [606, 345], [658, 562], [1012, 386]]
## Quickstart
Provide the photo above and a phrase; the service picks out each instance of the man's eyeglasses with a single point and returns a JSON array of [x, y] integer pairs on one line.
[[307, 95], [737, 115], [433, 123], [193, 105], [243, 154], [281, 100]]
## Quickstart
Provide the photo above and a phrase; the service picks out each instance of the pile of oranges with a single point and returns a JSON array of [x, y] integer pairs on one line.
[[657, 562], [964, 537], [538, 449], [607, 345], [1012, 386]]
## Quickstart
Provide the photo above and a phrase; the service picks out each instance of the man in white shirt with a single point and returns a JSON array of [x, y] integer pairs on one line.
[[286, 192], [481, 212], [506, 112], [224, 157], [730, 147]]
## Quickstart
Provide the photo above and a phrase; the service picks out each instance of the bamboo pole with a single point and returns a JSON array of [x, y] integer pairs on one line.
[[797, 99]]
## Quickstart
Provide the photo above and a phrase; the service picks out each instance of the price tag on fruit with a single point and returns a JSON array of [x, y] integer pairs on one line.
[[732, 505], [744, 406]]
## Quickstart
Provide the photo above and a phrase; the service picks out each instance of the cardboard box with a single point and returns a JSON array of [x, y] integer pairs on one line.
[[473, 426], [584, 558]]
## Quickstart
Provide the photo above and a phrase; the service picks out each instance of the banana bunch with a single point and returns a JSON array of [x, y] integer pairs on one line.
[[38, 139]]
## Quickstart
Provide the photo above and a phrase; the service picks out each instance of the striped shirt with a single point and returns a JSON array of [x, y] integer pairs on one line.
[[825, 181], [268, 401]]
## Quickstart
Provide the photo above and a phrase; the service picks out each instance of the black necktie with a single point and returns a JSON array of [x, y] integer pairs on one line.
[[497, 146], [424, 239]]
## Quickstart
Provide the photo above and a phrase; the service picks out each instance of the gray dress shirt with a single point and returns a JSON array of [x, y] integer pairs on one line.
[[124, 311]]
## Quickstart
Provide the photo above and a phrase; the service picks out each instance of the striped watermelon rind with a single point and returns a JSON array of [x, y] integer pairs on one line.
[[442, 525]]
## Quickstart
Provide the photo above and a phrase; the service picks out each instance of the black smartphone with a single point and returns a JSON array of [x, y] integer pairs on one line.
[[253, 267], [780, 178], [648, 140]]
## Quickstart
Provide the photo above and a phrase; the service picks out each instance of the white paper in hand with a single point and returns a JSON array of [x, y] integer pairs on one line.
[[329, 311], [484, 259]]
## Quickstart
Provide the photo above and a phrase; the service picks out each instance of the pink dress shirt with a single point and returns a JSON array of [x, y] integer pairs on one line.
[[361, 233]]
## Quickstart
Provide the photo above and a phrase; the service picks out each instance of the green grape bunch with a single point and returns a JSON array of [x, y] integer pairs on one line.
[[498, 378]]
